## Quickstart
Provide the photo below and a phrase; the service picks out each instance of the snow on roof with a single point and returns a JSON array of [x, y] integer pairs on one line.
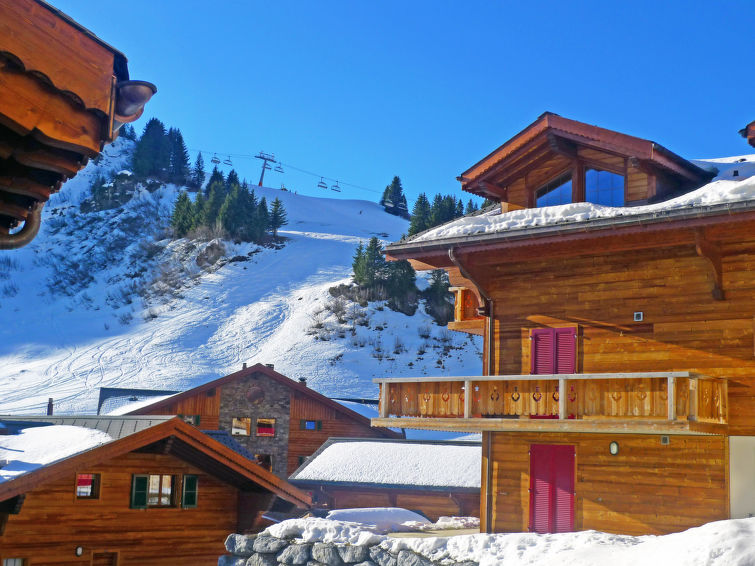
[[394, 463], [39, 446], [134, 405], [726, 188]]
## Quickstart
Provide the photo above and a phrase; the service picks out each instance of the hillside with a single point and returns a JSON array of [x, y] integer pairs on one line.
[[100, 299]]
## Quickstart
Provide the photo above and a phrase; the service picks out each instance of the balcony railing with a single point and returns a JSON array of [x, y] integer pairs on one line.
[[669, 396]]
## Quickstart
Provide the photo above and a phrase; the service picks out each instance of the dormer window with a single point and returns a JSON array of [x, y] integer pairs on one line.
[[604, 187], [558, 191]]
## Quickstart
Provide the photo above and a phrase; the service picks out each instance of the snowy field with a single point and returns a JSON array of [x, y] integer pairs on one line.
[[66, 333], [722, 543]]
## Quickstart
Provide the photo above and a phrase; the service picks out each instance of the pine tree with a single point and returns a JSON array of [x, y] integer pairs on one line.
[[198, 211], [216, 177], [459, 209], [128, 132], [178, 169], [152, 152], [277, 216], [471, 207], [231, 214], [420, 218], [182, 220], [358, 266], [197, 172], [488, 202], [263, 217], [211, 209], [231, 180], [394, 201]]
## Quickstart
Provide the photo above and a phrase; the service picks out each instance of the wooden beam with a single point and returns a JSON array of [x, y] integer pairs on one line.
[[712, 253], [467, 399], [671, 398], [562, 398], [561, 146], [384, 398]]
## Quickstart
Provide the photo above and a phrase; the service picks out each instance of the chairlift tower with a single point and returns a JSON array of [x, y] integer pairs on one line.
[[266, 158]]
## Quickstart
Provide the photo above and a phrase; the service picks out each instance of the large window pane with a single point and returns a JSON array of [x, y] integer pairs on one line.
[[604, 187], [556, 192]]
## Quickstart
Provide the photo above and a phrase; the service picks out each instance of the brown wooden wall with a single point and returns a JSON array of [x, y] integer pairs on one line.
[[52, 523], [334, 424], [206, 404], [646, 488], [684, 328], [433, 504]]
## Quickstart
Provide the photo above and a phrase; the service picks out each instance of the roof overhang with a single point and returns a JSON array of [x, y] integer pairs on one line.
[[626, 232]]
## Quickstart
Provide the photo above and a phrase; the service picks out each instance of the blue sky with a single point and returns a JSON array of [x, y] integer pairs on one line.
[[362, 91]]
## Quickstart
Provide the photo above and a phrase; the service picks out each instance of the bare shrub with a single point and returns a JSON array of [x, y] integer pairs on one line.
[[9, 290], [337, 305], [398, 346], [424, 332]]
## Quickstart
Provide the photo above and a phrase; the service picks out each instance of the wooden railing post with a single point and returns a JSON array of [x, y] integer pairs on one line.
[[693, 389], [384, 400], [467, 399], [562, 398], [671, 398]]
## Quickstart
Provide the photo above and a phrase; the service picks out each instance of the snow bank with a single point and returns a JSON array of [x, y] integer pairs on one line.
[[725, 189], [396, 463], [723, 543], [38, 446], [381, 519]]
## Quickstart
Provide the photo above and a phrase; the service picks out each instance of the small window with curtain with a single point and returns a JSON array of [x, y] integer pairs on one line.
[[241, 426], [152, 490], [14, 561], [87, 486], [558, 191], [265, 427], [604, 187], [189, 492]]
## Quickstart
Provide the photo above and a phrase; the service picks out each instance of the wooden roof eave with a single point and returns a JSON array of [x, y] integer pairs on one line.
[[434, 254], [173, 427]]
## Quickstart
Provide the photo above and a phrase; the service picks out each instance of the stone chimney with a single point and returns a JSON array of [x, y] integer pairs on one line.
[[49, 407], [303, 381]]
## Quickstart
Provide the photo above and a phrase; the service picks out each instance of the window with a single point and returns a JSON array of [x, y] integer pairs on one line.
[[301, 459], [556, 192], [190, 419], [554, 350], [189, 493], [310, 425], [264, 460], [153, 490], [265, 427], [87, 486], [241, 426], [14, 562], [604, 187]]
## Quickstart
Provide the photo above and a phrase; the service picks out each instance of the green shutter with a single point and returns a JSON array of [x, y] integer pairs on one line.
[[319, 425], [302, 424], [139, 485], [189, 495], [196, 419]]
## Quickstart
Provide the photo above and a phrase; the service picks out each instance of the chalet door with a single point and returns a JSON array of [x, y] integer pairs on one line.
[[105, 559], [551, 488], [554, 350]]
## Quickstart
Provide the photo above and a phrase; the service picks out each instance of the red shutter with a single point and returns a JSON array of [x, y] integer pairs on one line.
[[563, 489], [542, 351], [551, 488], [540, 489], [566, 350]]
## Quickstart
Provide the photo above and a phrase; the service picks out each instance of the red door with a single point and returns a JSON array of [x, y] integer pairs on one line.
[[551, 488]]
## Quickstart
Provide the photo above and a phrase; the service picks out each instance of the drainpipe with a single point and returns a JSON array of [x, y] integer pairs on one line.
[[489, 309]]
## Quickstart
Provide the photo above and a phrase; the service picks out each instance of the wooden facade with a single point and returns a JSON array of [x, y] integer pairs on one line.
[[50, 522], [63, 94], [260, 392], [659, 313]]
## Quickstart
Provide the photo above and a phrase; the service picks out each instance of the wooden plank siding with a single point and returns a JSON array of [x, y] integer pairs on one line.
[[205, 404], [646, 488], [153, 536], [683, 327]]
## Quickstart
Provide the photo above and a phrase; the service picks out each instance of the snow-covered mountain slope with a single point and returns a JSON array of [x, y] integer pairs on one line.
[[98, 299]]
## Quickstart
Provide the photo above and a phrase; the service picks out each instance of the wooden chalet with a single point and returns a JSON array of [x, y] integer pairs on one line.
[[748, 132], [348, 473], [63, 94], [280, 420], [618, 375], [141, 490]]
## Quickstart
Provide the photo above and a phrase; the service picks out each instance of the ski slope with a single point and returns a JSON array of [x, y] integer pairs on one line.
[[67, 345]]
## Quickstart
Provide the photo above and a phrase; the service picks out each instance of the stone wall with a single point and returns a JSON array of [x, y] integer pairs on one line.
[[257, 396], [265, 550]]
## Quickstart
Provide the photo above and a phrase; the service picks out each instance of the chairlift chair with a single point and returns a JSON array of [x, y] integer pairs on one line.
[[215, 159], [335, 187], [228, 161], [322, 184], [278, 168], [266, 166]]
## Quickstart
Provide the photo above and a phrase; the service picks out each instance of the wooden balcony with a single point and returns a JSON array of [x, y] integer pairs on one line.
[[651, 402], [466, 316]]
